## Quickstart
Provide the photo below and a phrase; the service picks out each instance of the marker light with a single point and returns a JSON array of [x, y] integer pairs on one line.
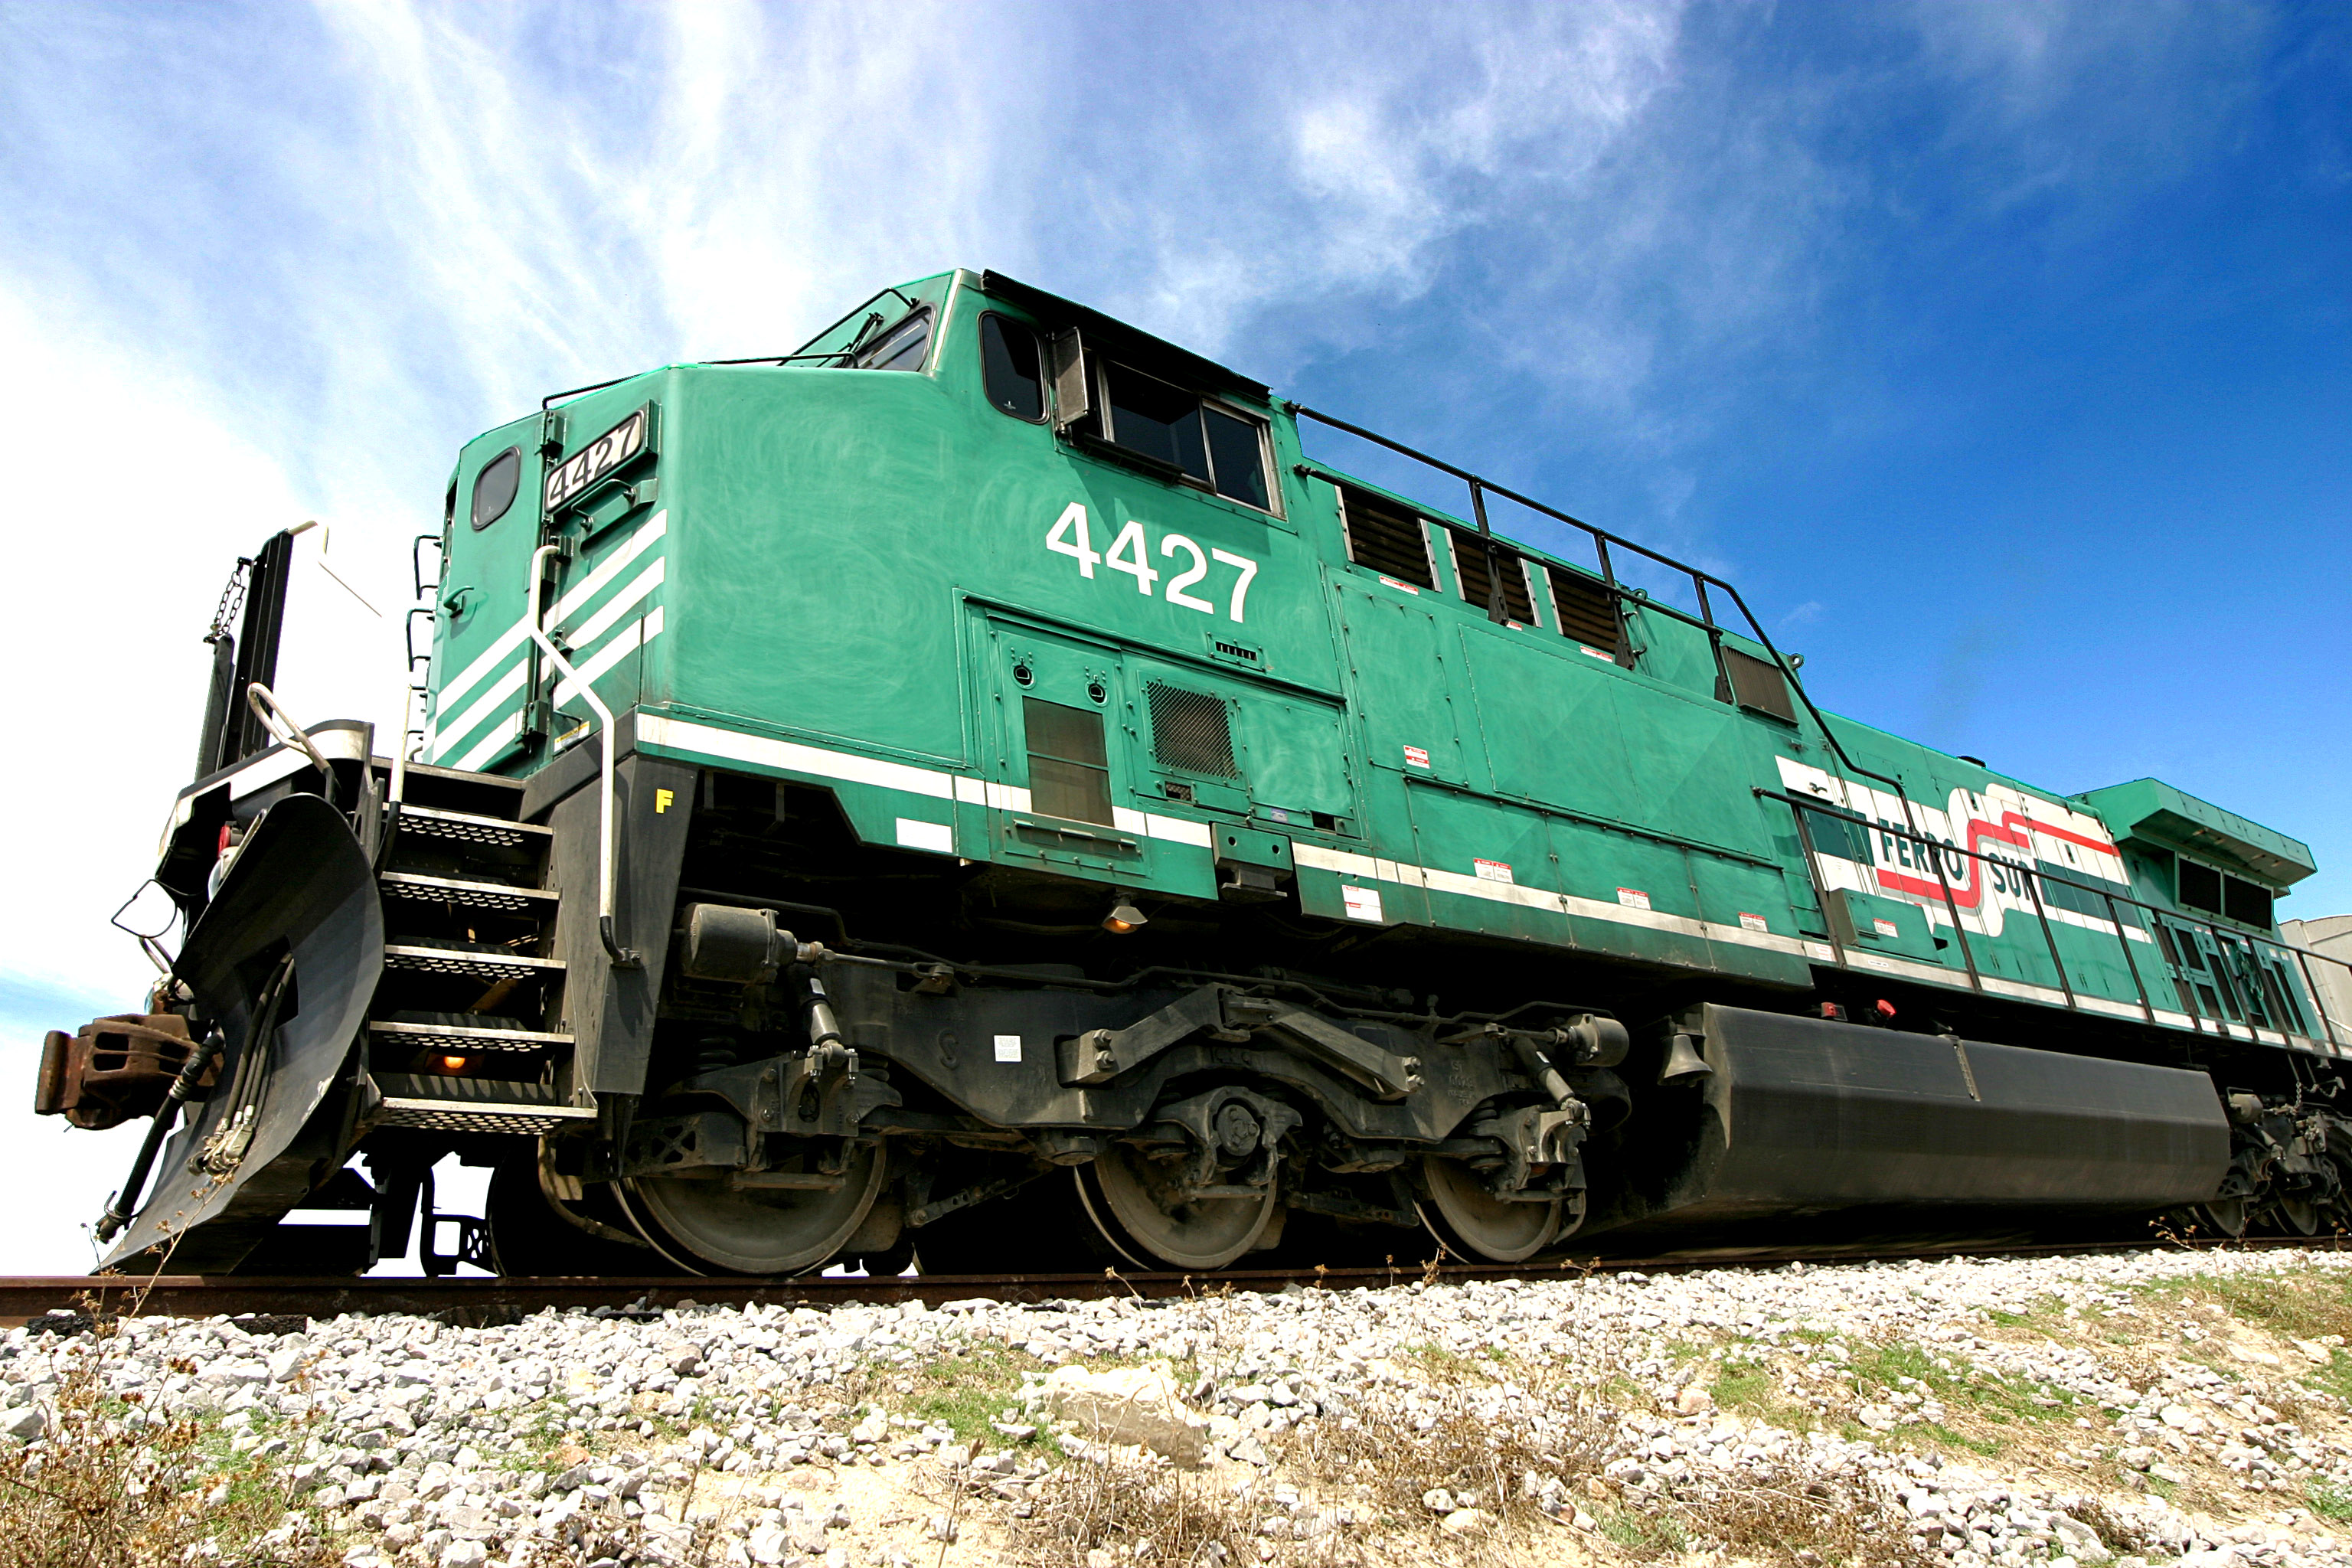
[[452, 1064], [1123, 918]]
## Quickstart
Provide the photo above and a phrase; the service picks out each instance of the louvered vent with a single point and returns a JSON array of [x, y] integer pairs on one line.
[[1470, 570], [1587, 610], [1191, 731], [1386, 538]]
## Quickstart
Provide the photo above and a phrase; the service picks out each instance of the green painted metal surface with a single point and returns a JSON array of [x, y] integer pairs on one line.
[[867, 580], [2175, 819]]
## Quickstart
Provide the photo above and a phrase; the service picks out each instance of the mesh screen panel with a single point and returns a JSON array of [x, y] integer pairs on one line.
[[1190, 729], [2243, 901], [1758, 684]]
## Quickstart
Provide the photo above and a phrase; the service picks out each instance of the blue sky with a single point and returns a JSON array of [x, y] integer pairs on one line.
[[1997, 351]]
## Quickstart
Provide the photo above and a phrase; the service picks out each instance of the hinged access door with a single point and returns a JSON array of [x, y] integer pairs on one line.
[[484, 671], [1403, 686], [1061, 753]]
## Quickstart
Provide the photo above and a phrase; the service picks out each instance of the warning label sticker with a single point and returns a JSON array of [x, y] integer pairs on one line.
[[1362, 903], [1753, 922], [1414, 757], [1633, 898], [1008, 1048], [1491, 871], [1887, 927]]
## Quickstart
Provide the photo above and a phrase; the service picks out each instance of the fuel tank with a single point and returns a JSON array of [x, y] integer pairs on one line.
[[1797, 1116]]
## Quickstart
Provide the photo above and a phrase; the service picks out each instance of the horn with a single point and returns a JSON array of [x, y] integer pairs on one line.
[[1684, 1062]]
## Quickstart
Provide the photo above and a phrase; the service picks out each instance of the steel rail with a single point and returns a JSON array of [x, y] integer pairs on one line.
[[25, 1298]]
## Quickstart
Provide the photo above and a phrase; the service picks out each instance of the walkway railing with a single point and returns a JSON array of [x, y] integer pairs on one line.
[[2235, 1014]]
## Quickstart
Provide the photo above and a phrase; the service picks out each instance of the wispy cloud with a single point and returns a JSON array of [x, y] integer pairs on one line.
[[267, 263], [2087, 102], [270, 263]]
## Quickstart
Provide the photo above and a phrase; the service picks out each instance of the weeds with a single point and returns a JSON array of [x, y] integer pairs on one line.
[[2043, 1315], [967, 1391], [1897, 1366], [1643, 1531], [1124, 1505], [114, 1485], [1752, 1386], [2116, 1533], [1809, 1525], [2303, 1306]]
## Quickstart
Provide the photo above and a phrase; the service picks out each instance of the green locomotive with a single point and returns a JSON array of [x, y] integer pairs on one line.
[[973, 790]]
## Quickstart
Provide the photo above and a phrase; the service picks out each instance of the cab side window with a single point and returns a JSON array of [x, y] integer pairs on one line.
[[1165, 428], [1011, 367], [495, 486], [1207, 443]]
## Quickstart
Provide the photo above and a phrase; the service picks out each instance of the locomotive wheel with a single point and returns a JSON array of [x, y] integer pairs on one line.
[[2298, 1216], [1463, 1214], [528, 1236], [2227, 1216], [705, 1226], [1132, 1200]]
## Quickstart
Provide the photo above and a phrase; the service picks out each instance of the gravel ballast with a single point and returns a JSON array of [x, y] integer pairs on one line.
[[2080, 1411]]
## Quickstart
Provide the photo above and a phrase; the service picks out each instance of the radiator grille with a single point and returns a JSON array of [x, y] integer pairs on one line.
[[1385, 537], [1191, 731], [1587, 610]]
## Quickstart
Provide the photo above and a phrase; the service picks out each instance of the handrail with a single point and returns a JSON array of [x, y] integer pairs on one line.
[[399, 792], [1602, 539], [622, 957], [278, 723], [396, 795], [2331, 1032]]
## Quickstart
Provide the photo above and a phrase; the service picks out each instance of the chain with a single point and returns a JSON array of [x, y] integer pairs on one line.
[[232, 599]]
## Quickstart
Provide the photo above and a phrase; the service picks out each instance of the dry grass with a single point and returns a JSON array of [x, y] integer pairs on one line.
[[2117, 1534], [1388, 1465], [1805, 1524], [113, 1485], [2303, 1306], [1106, 1503]]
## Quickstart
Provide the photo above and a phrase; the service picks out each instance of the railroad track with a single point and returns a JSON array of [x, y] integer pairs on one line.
[[483, 1301]]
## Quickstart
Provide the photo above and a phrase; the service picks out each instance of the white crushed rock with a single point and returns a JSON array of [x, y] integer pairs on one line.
[[411, 1442]]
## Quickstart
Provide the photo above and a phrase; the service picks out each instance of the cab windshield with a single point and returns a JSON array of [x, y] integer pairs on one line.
[[901, 347]]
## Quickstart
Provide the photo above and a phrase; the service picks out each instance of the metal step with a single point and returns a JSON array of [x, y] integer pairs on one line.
[[458, 827], [426, 959], [495, 897], [472, 1105], [458, 1039]]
